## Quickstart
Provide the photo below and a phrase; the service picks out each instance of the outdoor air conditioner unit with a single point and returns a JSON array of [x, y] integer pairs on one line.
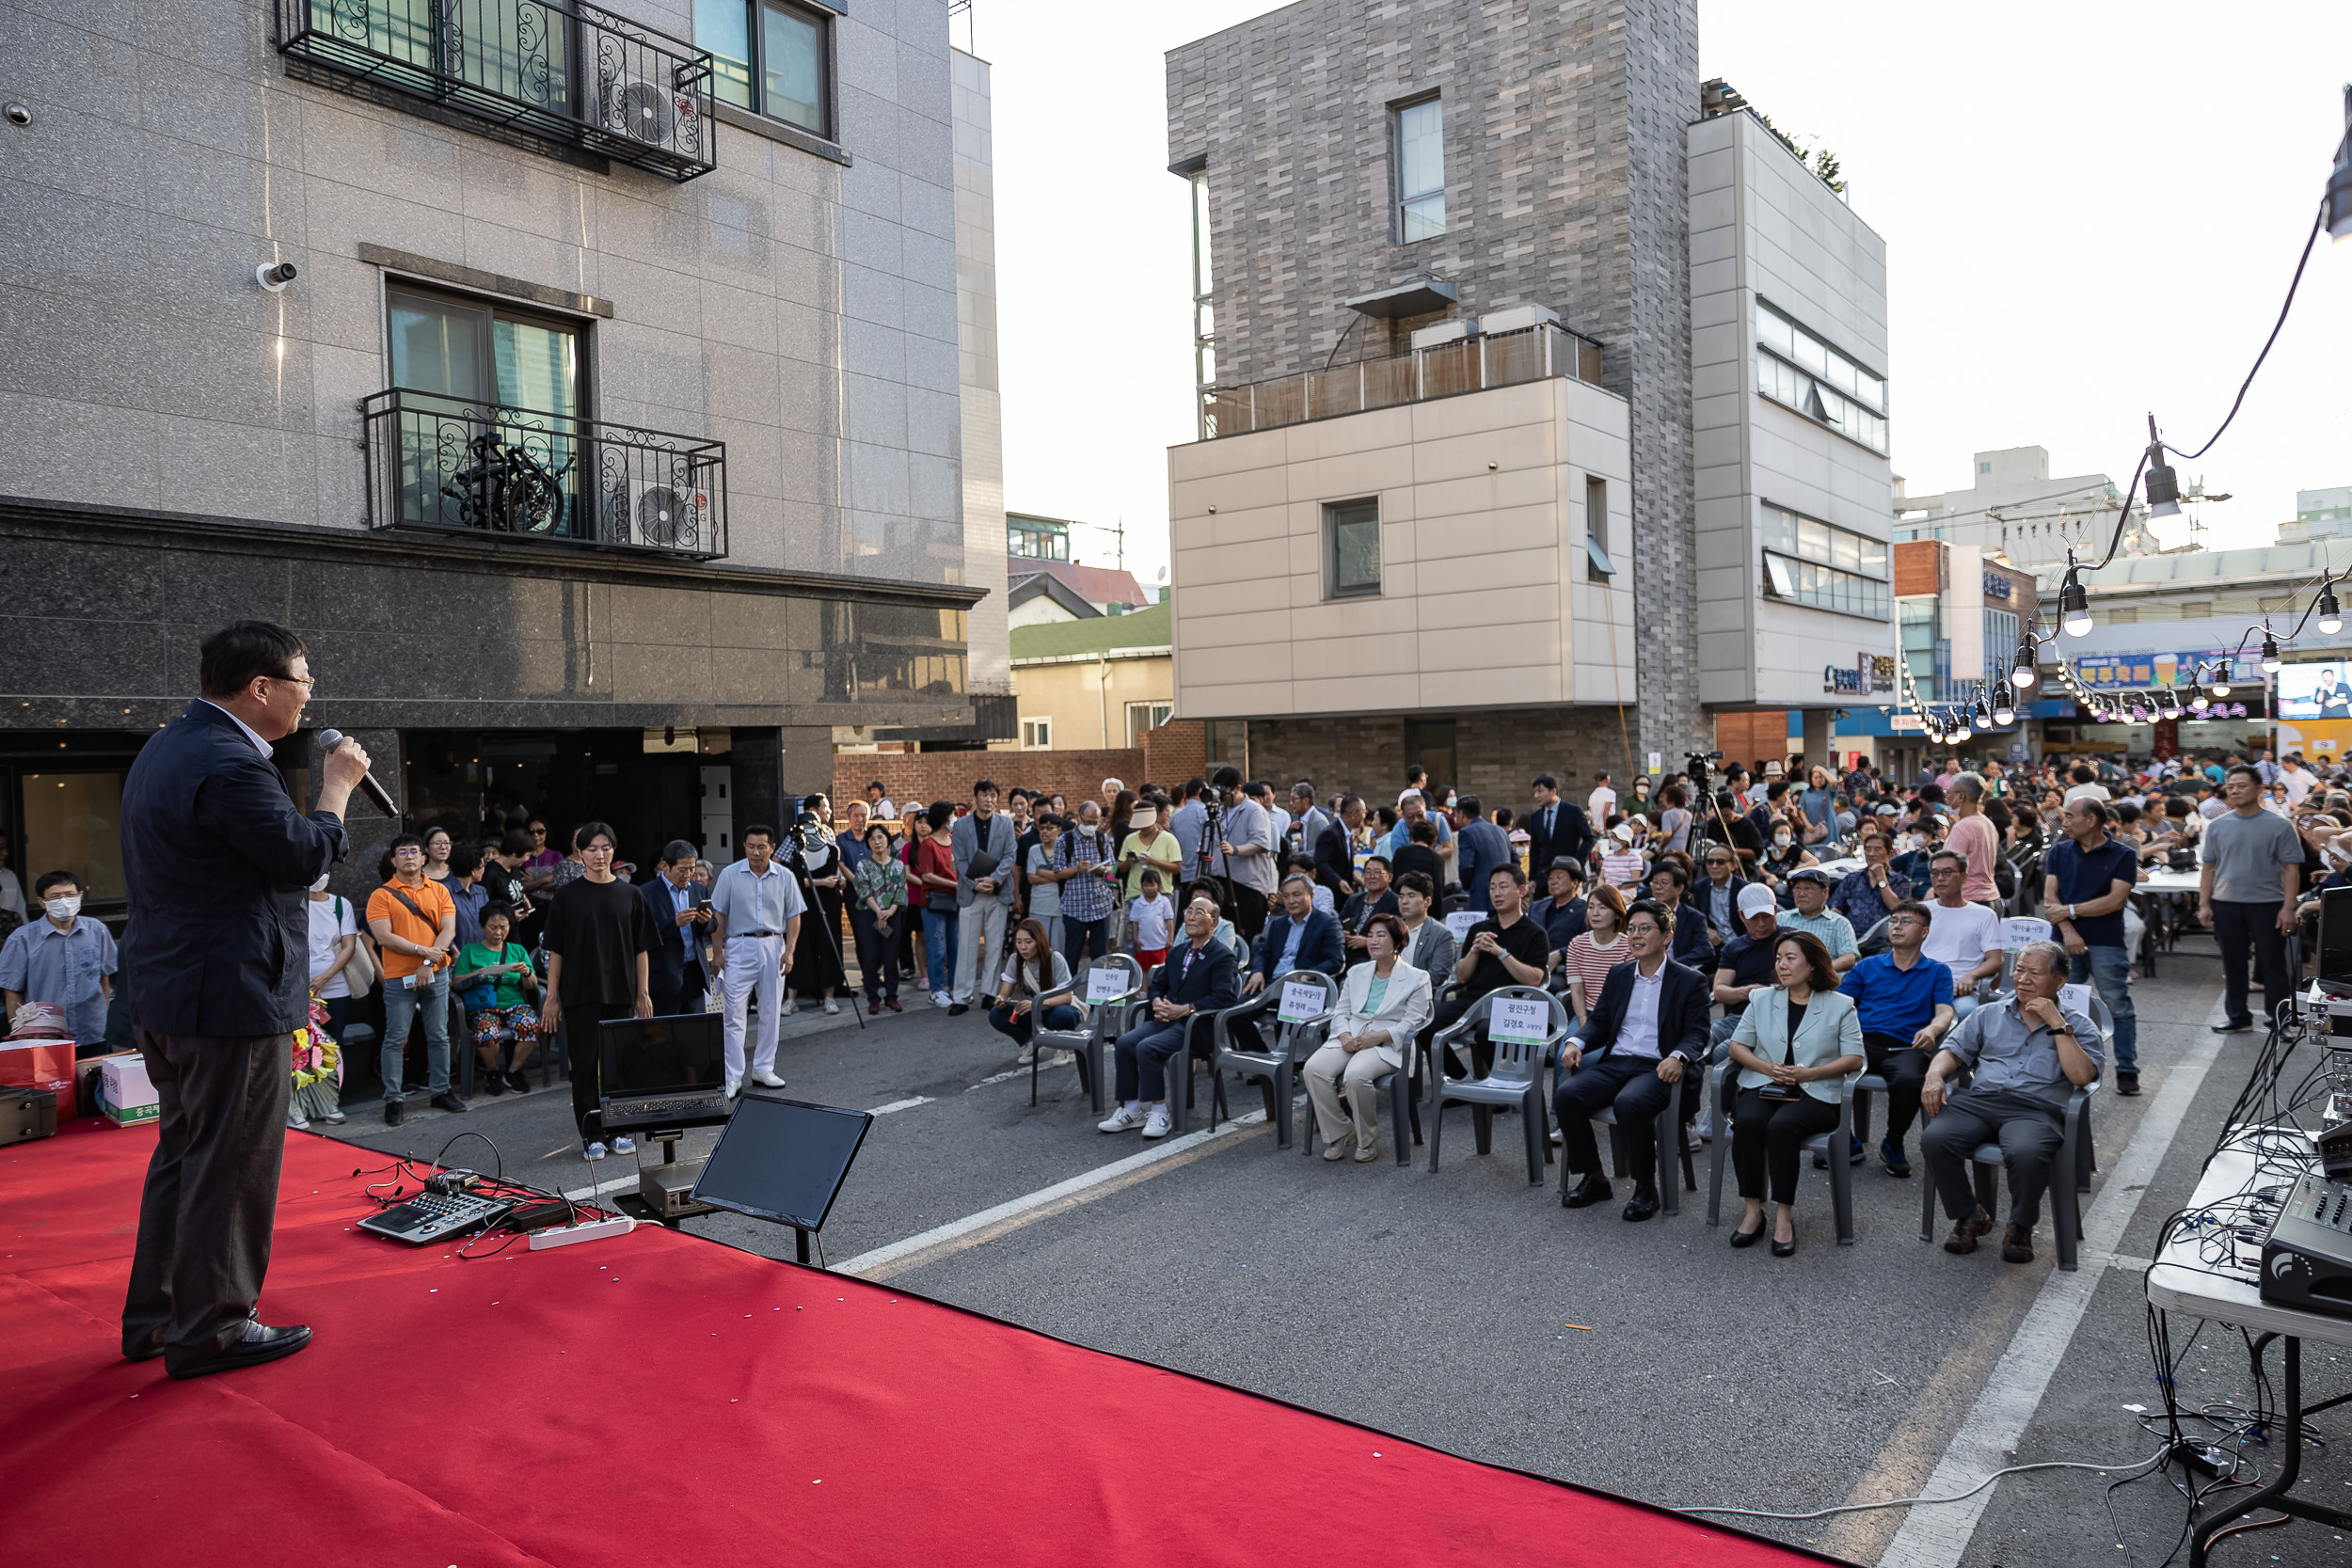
[[658, 514], [645, 111]]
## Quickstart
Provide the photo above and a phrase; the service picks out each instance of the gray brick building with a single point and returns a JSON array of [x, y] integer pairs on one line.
[[1410, 220]]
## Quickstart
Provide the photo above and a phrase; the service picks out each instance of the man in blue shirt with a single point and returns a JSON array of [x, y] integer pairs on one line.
[[1301, 937], [1411, 808], [1904, 1002], [61, 958], [1867, 896], [2087, 880]]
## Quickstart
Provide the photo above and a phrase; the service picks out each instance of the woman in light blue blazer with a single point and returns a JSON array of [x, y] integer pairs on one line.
[[1793, 1044]]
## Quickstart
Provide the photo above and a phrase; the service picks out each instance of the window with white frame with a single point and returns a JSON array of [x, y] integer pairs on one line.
[[1036, 734], [1798, 370], [1145, 716], [1421, 170]]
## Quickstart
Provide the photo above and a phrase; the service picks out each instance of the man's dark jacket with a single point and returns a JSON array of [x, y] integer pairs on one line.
[[218, 862]]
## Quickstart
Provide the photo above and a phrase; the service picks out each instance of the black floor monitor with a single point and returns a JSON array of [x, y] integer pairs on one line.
[[783, 1160], [2335, 938]]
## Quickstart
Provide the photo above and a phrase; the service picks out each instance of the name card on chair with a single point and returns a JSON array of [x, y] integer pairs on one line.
[[2075, 999], [2019, 930], [1461, 923], [1301, 1001], [1105, 984], [1518, 1020]]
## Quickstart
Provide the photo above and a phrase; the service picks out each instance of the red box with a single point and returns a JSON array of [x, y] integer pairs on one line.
[[41, 1065]]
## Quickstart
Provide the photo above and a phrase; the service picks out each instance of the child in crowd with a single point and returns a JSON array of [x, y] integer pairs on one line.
[[1150, 917]]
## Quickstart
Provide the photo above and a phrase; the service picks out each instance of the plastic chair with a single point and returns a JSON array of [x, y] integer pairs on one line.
[[2076, 1156], [1403, 1111], [1667, 1132], [1834, 1143], [1276, 1070], [1090, 1044], [1516, 1079]]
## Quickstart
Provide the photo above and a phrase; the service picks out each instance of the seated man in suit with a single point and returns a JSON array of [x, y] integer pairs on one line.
[[1561, 911], [2028, 1056], [1647, 1033], [674, 971], [1691, 944], [1301, 937], [1377, 897], [1197, 978]]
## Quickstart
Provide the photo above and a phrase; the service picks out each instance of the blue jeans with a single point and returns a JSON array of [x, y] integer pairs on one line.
[[402, 1005], [2106, 968], [939, 945], [1143, 1055], [1061, 1016]]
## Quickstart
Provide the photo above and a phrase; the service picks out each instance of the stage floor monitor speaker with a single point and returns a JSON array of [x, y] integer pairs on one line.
[[783, 1161]]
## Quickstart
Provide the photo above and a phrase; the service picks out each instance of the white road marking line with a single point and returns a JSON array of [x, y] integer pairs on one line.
[[603, 1187], [1937, 1537], [1043, 1195], [1010, 1072], [900, 1105]]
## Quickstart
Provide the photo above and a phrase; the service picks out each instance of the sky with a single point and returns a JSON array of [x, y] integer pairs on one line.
[[2092, 211]]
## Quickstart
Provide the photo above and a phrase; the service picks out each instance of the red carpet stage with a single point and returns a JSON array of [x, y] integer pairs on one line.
[[660, 1398]]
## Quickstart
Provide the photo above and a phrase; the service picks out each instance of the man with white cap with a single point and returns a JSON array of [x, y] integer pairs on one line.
[[1745, 963]]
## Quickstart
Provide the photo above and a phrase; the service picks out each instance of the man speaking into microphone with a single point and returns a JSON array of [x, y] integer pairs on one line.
[[217, 859]]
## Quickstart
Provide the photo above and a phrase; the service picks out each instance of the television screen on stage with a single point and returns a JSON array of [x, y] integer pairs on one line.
[[2321, 689]]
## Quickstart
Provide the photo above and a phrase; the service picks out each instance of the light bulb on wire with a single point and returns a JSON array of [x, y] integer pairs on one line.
[[2003, 709], [2271, 661], [2073, 604], [2023, 671], [2331, 613]]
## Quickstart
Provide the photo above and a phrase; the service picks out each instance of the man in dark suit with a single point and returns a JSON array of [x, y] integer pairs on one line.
[[1301, 937], [1198, 978], [1334, 849], [216, 859], [1647, 1033], [681, 916], [1555, 827]]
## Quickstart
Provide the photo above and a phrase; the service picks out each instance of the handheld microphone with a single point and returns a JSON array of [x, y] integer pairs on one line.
[[328, 740]]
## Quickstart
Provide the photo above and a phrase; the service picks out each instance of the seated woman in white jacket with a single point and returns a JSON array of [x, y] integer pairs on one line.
[[1383, 1004], [1793, 1044]]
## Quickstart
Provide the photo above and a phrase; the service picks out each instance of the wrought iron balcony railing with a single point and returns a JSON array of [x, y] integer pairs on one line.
[[1469, 365], [452, 466], [570, 74]]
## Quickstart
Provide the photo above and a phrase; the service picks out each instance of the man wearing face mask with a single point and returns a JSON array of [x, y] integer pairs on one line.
[[61, 958], [215, 858]]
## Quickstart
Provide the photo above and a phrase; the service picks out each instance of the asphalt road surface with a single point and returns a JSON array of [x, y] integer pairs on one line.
[[1463, 1309]]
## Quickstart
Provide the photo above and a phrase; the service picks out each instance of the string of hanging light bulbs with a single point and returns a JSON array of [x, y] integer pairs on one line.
[[1948, 723]]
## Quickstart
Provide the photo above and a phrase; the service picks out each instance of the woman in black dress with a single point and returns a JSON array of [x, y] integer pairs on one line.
[[814, 862]]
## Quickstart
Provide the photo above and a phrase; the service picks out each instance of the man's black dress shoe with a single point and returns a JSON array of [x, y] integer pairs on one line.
[[448, 1101], [261, 1344], [2234, 1026], [1585, 1194], [2127, 1083], [393, 1110], [1644, 1205]]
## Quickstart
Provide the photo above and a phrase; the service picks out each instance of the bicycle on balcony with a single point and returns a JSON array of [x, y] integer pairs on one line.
[[508, 489]]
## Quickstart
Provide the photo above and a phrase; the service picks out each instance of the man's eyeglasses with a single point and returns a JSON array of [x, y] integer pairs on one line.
[[308, 684]]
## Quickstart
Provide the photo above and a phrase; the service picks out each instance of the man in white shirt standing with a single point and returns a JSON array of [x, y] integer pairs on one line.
[[1964, 938], [755, 907], [2299, 780], [2087, 785], [1600, 802]]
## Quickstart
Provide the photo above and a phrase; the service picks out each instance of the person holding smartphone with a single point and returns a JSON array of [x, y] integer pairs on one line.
[[497, 984], [676, 971]]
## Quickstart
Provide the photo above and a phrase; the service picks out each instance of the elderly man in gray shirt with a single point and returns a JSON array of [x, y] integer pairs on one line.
[[2253, 865], [2027, 1055]]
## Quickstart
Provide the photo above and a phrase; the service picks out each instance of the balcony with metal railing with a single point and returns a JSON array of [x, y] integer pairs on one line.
[[1467, 365], [452, 465], [557, 77]]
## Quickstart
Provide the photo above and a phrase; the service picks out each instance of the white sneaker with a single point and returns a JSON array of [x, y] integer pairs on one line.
[[734, 1086], [832, 1005], [596, 1151], [1156, 1124], [296, 1124], [624, 1146], [1126, 1119], [1028, 1054], [1060, 1058], [769, 1080], [942, 1000]]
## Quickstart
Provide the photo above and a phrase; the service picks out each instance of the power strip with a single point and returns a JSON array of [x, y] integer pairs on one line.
[[595, 1231]]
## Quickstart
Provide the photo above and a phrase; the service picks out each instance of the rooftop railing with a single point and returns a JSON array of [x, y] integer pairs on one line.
[[571, 74], [453, 466], [1468, 365]]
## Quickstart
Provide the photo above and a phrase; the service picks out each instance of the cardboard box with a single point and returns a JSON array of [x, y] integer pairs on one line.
[[128, 1095], [88, 1081]]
